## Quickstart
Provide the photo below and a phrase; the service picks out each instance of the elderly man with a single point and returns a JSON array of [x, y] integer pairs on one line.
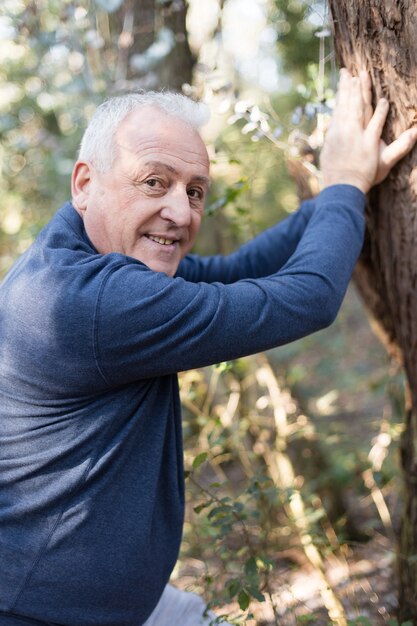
[[100, 314]]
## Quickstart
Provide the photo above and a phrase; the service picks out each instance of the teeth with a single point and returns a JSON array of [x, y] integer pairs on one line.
[[161, 240]]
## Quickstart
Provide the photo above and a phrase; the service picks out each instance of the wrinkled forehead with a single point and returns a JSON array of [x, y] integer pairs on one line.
[[149, 130]]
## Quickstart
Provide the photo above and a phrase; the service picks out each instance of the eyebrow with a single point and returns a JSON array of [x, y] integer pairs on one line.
[[204, 180]]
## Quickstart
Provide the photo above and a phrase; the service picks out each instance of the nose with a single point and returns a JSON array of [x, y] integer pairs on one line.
[[176, 207]]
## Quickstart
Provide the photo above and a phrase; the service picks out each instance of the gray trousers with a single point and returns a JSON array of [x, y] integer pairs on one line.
[[180, 608]]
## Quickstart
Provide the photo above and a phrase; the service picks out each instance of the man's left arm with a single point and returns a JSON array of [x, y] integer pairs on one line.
[[353, 154], [262, 256]]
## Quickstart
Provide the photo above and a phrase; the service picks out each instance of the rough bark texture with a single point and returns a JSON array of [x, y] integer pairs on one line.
[[381, 36]]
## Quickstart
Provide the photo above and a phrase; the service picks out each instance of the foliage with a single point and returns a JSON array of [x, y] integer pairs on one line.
[[240, 511], [46, 77], [298, 46]]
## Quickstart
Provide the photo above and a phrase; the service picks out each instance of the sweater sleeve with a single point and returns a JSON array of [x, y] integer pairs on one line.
[[262, 256], [148, 324]]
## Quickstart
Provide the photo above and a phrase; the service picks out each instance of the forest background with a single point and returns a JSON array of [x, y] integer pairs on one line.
[[294, 490]]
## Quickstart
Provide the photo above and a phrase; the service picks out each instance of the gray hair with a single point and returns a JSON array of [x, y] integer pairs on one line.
[[97, 144]]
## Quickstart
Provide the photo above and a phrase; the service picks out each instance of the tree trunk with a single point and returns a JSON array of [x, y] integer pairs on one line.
[[140, 23], [381, 36]]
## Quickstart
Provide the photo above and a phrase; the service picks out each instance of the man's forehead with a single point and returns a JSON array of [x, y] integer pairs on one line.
[[152, 135], [153, 119]]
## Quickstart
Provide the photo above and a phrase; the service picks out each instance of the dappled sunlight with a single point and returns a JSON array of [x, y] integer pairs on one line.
[[326, 404]]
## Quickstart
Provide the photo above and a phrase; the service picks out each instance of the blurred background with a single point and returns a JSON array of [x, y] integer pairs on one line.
[[291, 456]]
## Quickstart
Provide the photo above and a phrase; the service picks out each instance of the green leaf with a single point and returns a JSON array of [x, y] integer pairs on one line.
[[251, 569], [199, 459], [264, 562], [220, 511], [243, 599], [233, 587], [254, 591], [203, 505]]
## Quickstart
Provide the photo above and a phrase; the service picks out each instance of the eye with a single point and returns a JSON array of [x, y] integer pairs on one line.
[[195, 193], [153, 182]]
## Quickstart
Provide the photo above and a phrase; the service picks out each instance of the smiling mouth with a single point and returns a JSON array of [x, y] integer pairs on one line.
[[162, 240]]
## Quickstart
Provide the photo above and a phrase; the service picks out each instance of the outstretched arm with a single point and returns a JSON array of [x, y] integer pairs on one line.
[[353, 154], [262, 256], [171, 324]]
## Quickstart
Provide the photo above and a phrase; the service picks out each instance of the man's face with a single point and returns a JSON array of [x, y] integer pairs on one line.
[[149, 205]]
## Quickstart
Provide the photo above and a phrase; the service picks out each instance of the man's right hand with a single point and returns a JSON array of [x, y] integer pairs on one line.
[[353, 151]]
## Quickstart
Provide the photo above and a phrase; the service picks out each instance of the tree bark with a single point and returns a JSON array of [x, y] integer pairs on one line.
[[381, 37]]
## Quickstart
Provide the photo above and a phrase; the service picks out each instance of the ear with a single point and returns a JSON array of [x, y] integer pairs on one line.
[[80, 185]]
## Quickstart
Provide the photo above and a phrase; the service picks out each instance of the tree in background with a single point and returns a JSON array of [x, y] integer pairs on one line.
[[153, 43], [380, 36]]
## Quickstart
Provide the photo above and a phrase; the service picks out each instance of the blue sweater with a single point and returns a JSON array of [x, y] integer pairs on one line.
[[91, 471]]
